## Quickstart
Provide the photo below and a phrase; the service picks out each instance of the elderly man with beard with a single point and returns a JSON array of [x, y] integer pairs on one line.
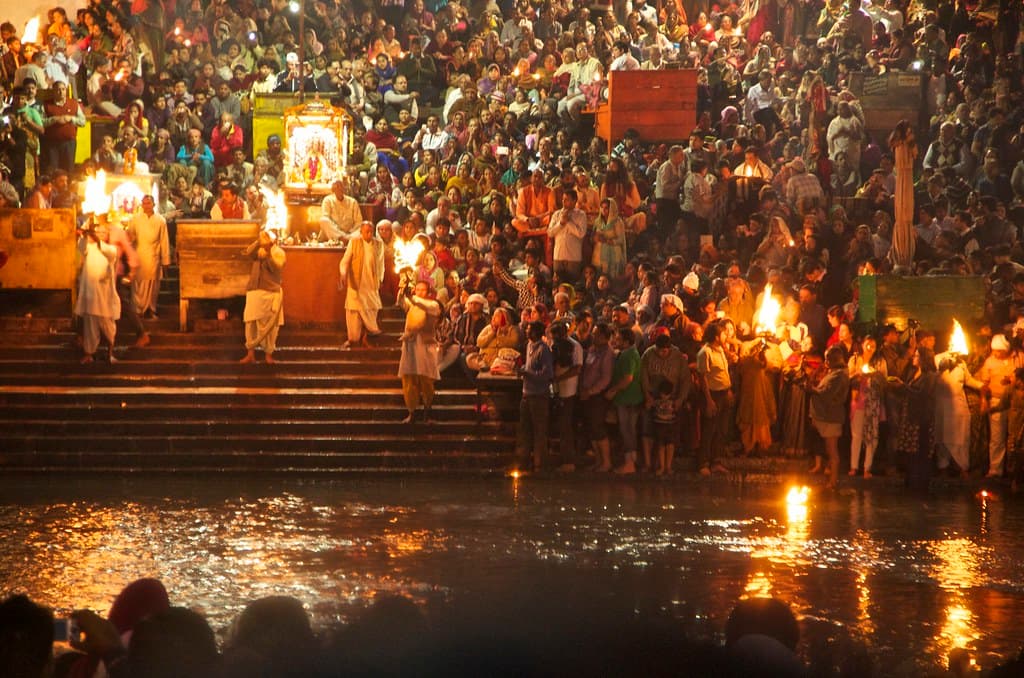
[[418, 365], [362, 271], [264, 297]]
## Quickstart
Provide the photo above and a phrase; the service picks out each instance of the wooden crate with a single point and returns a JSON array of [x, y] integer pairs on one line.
[[211, 264], [659, 105], [41, 248], [932, 300]]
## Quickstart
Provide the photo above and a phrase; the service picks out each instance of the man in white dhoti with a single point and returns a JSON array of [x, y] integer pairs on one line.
[[149, 230], [97, 303], [418, 364], [362, 272], [952, 416], [264, 297]]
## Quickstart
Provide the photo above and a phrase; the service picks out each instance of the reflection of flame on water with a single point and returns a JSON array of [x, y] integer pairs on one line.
[[958, 341], [31, 32], [796, 503], [768, 315], [96, 200], [407, 253], [958, 568], [758, 586]]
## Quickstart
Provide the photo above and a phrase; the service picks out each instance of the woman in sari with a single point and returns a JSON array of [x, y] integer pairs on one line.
[[609, 240], [503, 332], [619, 186], [867, 408]]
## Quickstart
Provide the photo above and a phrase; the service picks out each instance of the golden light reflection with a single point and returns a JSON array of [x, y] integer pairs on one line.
[[788, 550], [958, 568], [758, 586]]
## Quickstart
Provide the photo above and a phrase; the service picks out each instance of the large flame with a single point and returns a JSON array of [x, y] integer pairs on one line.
[[767, 317], [277, 212], [96, 200], [31, 32], [958, 341], [407, 253]]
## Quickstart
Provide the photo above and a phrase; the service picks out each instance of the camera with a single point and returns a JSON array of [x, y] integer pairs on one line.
[[66, 631]]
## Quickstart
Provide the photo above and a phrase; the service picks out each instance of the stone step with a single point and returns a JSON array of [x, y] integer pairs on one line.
[[313, 342], [131, 365], [384, 408], [176, 400], [300, 461], [382, 425], [225, 351], [413, 439]]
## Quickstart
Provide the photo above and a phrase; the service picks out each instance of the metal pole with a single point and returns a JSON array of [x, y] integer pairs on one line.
[[302, 51]]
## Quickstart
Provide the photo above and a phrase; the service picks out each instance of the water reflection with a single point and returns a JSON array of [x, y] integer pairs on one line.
[[910, 579], [957, 569]]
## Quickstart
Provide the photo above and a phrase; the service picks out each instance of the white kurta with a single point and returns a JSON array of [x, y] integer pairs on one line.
[[154, 250], [952, 416], [419, 346], [97, 287], [364, 296]]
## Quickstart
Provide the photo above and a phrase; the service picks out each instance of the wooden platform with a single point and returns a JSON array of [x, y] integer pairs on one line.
[[660, 105]]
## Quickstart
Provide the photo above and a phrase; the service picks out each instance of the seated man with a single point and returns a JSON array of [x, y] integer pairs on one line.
[[340, 216], [195, 153]]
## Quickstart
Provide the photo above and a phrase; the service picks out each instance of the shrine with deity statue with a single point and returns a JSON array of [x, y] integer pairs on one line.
[[318, 138]]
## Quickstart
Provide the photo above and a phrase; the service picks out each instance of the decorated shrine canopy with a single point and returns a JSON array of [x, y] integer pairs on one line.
[[318, 138]]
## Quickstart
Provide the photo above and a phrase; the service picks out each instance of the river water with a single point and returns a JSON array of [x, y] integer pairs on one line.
[[908, 577]]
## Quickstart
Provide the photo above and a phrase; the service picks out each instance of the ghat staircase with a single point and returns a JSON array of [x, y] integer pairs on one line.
[[184, 404]]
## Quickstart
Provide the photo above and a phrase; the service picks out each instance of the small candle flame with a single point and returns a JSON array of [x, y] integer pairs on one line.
[[177, 30]]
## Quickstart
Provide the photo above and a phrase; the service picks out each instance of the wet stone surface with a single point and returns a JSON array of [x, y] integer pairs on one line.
[[909, 577]]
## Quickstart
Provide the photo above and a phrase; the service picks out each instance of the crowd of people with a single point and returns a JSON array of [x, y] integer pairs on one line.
[[549, 630], [621, 281]]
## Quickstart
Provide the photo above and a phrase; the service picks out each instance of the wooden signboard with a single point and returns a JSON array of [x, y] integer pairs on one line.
[[659, 105], [40, 245], [932, 300], [888, 98], [210, 260]]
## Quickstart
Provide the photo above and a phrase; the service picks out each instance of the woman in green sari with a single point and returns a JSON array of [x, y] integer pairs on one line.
[[609, 240]]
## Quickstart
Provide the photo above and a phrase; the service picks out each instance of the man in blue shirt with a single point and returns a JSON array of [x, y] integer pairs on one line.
[[538, 371]]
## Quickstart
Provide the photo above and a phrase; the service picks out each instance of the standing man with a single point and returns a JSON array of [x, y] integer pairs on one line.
[[97, 303], [418, 365], [63, 118], [667, 188], [538, 371], [340, 216], [264, 298], [568, 228], [154, 250], [567, 356], [996, 375], [362, 271], [713, 369]]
